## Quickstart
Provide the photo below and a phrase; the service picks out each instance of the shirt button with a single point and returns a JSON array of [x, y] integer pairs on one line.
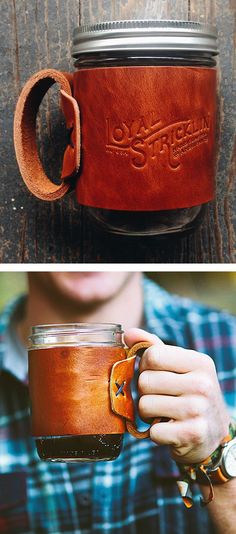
[[84, 500]]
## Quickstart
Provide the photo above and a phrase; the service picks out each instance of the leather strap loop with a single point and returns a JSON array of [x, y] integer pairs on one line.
[[121, 399], [25, 134]]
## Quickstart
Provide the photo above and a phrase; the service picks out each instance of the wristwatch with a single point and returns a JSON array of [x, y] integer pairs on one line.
[[218, 468], [224, 468]]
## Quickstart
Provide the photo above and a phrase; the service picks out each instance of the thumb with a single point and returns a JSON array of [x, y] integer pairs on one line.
[[135, 335]]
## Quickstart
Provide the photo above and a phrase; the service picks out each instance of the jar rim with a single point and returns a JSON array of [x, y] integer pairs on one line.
[[144, 35], [70, 328], [75, 334]]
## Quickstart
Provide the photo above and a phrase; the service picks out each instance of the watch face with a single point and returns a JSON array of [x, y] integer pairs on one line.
[[229, 459]]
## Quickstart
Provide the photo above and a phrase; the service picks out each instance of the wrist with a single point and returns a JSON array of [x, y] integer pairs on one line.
[[221, 466], [218, 468]]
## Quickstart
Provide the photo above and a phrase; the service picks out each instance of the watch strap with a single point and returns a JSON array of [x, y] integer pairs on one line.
[[215, 471], [217, 476], [207, 473]]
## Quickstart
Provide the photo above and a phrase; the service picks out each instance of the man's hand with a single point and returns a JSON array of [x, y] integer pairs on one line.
[[180, 385]]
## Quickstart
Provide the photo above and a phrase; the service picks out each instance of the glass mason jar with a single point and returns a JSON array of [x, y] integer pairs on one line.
[[184, 129], [69, 371]]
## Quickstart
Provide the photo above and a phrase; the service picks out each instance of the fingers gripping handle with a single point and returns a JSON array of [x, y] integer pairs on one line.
[[25, 134], [121, 399]]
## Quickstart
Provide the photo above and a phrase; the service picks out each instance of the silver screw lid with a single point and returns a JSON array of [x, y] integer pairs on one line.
[[145, 35]]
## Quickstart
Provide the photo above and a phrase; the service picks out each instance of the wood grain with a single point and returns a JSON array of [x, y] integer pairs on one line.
[[36, 34]]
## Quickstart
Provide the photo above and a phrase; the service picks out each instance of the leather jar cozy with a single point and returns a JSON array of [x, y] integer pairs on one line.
[[83, 391], [147, 136], [141, 111]]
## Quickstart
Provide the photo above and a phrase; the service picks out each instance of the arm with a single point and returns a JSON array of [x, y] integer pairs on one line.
[[182, 386], [223, 508]]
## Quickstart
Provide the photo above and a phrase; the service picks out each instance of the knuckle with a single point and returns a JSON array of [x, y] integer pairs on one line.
[[175, 442], [185, 436], [158, 437], [209, 363], [194, 354], [204, 360], [196, 433], [204, 386], [196, 407], [193, 408]]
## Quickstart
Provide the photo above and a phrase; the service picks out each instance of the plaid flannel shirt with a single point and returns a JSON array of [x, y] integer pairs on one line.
[[137, 492]]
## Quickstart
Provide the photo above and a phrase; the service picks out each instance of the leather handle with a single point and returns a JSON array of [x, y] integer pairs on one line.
[[121, 400], [25, 134]]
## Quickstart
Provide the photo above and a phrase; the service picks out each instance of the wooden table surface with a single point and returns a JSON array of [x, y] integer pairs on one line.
[[36, 34]]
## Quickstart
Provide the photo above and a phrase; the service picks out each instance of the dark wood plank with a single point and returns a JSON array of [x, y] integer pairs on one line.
[[36, 34]]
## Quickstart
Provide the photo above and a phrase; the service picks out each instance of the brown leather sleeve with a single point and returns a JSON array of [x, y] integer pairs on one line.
[[148, 137], [69, 391], [25, 134]]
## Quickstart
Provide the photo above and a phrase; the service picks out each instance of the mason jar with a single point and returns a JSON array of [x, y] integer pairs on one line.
[[147, 95], [69, 373]]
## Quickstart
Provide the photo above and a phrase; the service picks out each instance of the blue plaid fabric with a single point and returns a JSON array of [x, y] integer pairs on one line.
[[137, 492]]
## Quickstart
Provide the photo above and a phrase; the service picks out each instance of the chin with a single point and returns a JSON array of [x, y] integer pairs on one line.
[[86, 287]]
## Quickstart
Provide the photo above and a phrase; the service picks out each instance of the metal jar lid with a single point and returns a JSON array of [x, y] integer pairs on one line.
[[145, 35]]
